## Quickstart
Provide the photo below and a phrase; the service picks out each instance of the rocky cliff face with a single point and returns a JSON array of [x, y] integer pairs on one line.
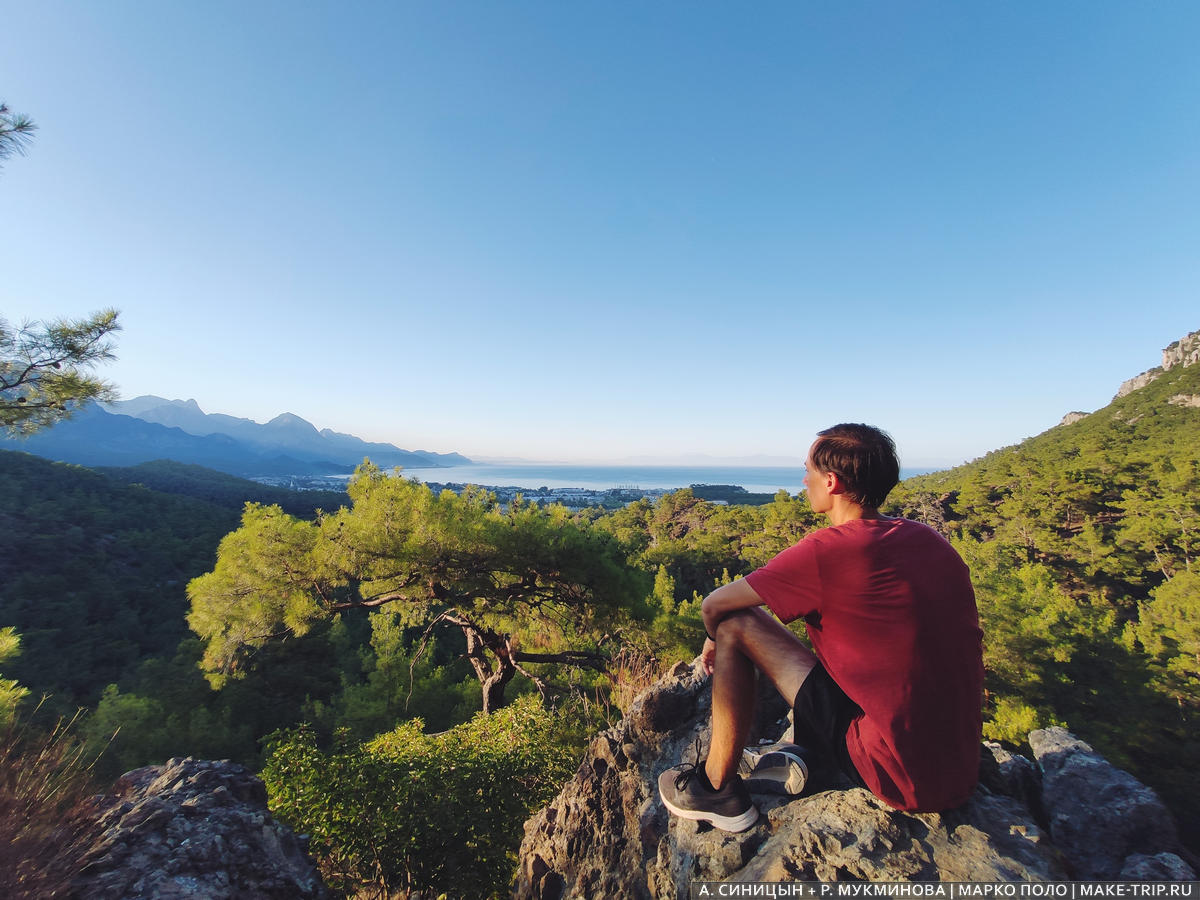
[[1184, 352], [193, 829], [1069, 814]]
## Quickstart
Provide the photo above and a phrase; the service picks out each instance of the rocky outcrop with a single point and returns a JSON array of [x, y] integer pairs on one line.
[[1184, 352], [1137, 382], [1072, 417], [1104, 820], [193, 829], [608, 835]]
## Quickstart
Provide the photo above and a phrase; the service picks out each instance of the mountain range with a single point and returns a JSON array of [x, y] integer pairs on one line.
[[146, 428]]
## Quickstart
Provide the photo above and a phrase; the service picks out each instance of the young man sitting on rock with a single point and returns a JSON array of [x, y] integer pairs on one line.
[[892, 695]]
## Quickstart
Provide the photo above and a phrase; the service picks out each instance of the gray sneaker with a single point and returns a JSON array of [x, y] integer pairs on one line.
[[775, 769], [686, 793]]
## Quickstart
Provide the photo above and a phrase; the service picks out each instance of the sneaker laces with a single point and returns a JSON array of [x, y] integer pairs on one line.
[[689, 770]]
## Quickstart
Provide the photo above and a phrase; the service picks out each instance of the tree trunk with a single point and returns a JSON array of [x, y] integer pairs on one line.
[[495, 662], [483, 647], [493, 687]]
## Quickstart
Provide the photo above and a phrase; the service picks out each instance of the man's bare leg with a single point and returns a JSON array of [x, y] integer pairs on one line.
[[747, 639]]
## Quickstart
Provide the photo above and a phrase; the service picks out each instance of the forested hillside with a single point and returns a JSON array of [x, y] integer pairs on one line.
[[93, 573], [1083, 543], [171, 477], [93, 577], [94, 566]]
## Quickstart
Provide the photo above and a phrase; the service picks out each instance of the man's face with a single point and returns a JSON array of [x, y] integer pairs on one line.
[[816, 483]]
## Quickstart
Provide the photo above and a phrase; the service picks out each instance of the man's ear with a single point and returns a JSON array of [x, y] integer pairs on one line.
[[833, 483]]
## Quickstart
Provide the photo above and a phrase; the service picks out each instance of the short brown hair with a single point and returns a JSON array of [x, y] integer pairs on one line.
[[864, 459]]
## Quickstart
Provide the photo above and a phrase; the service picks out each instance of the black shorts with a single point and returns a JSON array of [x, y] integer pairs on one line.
[[822, 713]]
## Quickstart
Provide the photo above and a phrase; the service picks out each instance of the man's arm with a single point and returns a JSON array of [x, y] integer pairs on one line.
[[724, 600]]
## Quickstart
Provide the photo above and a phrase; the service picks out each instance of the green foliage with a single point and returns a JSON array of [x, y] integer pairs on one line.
[[130, 730], [11, 693], [415, 812], [44, 365], [674, 630], [167, 708], [696, 541], [524, 583], [1037, 640], [1162, 515], [169, 477], [261, 586], [694, 546], [16, 131], [729, 493], [44, 368], [1111, 503], [93, 574], [1168, 628], [401, 681], [1011, 720]]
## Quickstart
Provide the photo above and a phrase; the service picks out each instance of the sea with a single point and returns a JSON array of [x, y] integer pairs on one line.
[[531, 476]]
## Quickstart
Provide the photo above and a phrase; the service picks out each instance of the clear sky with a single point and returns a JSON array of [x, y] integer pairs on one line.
[[595, 230]]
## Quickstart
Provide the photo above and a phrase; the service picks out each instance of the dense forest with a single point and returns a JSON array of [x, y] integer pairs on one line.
[[346, 646]]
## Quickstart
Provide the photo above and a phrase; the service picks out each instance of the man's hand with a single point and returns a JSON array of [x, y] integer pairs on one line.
[[708, 656]]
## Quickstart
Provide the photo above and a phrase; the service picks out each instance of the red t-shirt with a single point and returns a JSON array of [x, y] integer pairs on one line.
[[891, 614]]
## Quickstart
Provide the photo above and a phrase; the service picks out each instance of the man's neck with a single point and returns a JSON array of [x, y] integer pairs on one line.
[[844, 511]]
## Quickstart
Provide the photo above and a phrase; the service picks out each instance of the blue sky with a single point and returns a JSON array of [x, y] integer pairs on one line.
[[602, 230]]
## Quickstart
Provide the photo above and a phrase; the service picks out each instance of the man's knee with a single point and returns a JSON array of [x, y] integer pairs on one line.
[[740, 627], [761, 638]]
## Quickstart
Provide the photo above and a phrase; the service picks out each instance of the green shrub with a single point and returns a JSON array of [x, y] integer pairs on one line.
[[409, 811]]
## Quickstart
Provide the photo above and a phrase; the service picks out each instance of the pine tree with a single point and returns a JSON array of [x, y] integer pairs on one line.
[[44, 369]]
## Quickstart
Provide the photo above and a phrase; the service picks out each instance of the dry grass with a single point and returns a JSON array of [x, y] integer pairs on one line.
[[45, 800], [630, 673]]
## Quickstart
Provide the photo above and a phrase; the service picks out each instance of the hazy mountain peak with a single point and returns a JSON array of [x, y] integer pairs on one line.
[[137, 405], [292, 422]]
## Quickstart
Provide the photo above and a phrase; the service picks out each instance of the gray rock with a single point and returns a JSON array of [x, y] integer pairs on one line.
[[1160, 867], [1014, 776], [1098, 815], [840, 835], [1183, 352], [1191, 400], [193, 829], [1137, 382]]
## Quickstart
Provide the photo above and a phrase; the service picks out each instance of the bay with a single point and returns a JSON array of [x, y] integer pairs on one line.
[[531, 476]]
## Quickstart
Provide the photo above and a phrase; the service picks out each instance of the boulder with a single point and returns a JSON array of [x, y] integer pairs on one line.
[[193, 829], [1102, 818]]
